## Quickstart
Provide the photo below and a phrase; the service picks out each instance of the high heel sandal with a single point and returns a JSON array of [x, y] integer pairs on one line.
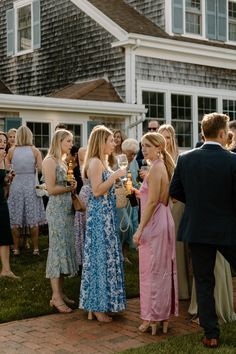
[[62, 308], [100, 316], [145, 327], [165, 326]]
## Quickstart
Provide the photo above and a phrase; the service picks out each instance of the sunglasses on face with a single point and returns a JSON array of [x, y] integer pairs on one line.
[[152, 129]]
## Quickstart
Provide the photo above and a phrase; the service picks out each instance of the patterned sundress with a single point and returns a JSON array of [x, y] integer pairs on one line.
[[102, 283]]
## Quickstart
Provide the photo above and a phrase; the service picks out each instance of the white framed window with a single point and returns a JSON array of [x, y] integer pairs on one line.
[[207, 19], [155, 103], [41, 135], [184, 107], [232, 20], [193, 17], [23, 27]]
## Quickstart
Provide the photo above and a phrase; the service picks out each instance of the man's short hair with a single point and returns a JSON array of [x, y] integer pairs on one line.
[[232, 125], [212, 123]]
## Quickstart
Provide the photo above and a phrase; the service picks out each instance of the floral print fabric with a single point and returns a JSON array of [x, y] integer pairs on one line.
[[102, 284], [61, 254]]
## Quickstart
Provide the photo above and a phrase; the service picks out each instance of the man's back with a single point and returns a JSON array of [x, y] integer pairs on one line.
[[208, 179]]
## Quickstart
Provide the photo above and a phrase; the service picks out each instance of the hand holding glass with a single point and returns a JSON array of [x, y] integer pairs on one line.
[[122, 162]]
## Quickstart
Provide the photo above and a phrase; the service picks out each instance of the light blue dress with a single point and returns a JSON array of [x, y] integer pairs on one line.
[[61, 254], [102, 284]]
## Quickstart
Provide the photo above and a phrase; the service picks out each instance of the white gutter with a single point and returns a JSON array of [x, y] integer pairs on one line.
[[69, 105], [177, 50]]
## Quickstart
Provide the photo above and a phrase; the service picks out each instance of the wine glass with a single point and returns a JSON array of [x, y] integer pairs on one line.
[[122, 162]]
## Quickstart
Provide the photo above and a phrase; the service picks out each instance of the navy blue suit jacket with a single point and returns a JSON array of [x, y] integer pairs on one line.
[[205, 180]]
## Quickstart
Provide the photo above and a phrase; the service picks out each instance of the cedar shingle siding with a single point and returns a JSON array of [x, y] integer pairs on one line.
[[159, 70], [152, 9], [73, 47]]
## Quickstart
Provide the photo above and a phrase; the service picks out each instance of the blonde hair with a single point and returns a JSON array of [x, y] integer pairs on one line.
[[12, 130], [24, 136], [158, 140], [174, 151], [97, 139], [55, 147]]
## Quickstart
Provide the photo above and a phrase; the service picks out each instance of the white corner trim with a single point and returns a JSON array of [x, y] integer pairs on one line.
[[187, 52], [101, 19], [69, 105]]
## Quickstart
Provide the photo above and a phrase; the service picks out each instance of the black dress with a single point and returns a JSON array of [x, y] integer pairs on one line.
[[5, 229]]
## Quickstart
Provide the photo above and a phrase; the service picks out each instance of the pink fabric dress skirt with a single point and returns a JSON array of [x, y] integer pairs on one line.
[[157, 264]]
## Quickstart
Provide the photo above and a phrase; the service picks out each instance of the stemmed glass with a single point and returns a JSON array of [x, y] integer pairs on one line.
[[122, 163]]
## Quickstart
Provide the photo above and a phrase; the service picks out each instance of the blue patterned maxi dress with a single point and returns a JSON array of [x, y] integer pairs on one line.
[[61, 254], [102, 284]]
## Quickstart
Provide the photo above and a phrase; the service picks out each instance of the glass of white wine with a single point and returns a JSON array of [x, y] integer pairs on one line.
[[122, 162]]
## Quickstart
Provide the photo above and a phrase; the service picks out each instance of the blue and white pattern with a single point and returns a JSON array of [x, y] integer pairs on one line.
[[102, 284], [60, 217]]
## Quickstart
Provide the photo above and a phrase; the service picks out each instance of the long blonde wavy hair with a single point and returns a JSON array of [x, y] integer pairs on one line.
[[174, 151], [97, 139], [158, 140], [55, 147]]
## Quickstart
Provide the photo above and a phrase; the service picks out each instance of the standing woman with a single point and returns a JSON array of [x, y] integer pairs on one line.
[[155, 237], [102, 284], [119, 137], [61, 259], [25, 208], [5, 229], [11, 135]]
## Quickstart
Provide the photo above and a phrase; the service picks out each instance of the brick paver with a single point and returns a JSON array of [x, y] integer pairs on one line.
[[73, 333]]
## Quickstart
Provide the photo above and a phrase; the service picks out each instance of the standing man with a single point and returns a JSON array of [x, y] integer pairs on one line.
[[205, 180], [153, 126]]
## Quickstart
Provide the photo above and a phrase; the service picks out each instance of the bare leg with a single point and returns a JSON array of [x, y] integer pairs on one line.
[[34, 233], [5, 256], [57, 300], [16, 238]]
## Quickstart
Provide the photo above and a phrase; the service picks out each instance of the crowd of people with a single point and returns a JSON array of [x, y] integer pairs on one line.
[[194, 199]]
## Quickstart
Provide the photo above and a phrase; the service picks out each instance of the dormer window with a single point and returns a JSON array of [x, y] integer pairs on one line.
[[210, 19], [193, 16], [23, 27]]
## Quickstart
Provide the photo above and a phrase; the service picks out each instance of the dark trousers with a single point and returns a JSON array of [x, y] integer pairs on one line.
[[203, 260]]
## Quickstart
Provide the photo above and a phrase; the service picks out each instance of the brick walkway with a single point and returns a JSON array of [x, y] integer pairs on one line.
[[73, 333]]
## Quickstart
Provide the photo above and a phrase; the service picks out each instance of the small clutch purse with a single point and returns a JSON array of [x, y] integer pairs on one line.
[[77, 203]]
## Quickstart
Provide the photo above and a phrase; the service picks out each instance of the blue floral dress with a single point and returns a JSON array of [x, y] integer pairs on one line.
[[102, 284], [61, 254]]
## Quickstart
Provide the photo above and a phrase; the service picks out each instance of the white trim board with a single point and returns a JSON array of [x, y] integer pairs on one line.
[[69, 105]]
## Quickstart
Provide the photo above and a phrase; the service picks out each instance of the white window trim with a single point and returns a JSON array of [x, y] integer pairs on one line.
[[194, 91], [17, 5], [168, 22]]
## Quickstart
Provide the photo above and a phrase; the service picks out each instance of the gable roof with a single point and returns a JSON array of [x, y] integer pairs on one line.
[[4, 88], [128, 18], [95, 90]]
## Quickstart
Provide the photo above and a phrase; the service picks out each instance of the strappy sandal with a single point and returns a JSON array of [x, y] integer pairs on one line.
[[36, 252], [68, 301], [62, 308], [16, 252]]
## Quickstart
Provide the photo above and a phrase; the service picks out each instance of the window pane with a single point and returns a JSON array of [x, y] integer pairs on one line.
[[24, 28], [181, 112], [154, 102], [229, 108]]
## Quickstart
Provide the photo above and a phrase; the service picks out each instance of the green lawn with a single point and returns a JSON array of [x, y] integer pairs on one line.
[[30, 296], [190, 344]]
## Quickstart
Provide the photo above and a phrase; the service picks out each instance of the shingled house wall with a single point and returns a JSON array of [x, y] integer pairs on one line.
[[152, 9], [73, 47], [173, 72]]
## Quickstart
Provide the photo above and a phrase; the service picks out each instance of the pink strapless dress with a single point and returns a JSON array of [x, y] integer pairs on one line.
[[157, 264]]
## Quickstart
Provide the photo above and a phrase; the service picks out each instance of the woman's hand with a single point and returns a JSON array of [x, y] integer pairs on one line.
[[143, 173], [73, 185], [136, 237], [136, 191], [121, 172]]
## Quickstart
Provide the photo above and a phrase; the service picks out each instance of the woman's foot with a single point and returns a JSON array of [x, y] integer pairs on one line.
[[9, 274], [165, 326], [36, 252], [61, 307], [100, 316], [16, 252], [144, 327]]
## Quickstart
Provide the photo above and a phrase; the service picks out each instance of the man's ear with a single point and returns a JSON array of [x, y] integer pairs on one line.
[[221, 134]]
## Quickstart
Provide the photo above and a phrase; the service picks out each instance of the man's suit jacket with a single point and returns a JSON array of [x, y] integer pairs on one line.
[[205, 180]]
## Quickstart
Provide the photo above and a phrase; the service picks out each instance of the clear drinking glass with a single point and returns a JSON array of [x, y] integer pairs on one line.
[[122, 162]]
